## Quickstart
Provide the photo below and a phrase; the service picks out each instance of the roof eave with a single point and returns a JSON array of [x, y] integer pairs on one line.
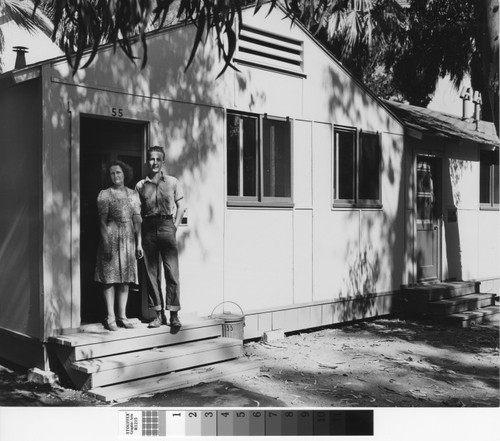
[[13, 77], [419, 133]]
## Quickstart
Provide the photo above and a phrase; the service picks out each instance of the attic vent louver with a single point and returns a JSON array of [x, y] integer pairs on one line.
[[260, 48]]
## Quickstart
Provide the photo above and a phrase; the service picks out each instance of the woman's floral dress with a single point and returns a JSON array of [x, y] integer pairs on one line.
[[120, 207]]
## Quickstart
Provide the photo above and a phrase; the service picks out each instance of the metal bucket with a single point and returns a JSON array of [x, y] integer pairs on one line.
[[233, 323]]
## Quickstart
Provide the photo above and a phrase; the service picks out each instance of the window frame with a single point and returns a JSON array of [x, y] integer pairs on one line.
[[242, 198], [260, 200], [337, 201], [491, 205], [356, 201]]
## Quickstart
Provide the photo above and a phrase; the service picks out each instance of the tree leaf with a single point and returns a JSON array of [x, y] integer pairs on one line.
[[197, 39]]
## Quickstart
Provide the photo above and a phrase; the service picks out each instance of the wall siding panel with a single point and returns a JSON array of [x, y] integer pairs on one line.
[[302, 256], [258, 260], [20, 208]]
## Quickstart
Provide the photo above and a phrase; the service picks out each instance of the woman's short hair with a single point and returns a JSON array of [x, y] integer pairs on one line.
[[127, 172], [155, 148]]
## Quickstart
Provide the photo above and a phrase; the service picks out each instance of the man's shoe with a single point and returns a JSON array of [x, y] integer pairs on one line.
[[156, 323], [164, 318], [174, 321]]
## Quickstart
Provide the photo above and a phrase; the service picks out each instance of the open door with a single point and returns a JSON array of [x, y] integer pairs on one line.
[[428, 244], [103, 140]]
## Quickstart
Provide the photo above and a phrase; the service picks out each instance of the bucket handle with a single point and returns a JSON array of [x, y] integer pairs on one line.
[[227, 301]]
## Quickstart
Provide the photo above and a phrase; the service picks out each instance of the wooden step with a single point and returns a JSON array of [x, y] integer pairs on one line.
[[130, 366], [176, 380], [415, 299], [440, 291], [98, 342], [460, 304], [467, 318]]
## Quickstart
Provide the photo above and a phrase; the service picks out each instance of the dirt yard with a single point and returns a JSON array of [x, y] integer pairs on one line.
[[383, 363]]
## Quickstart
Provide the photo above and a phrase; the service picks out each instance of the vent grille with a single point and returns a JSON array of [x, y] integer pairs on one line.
[[263, 49]]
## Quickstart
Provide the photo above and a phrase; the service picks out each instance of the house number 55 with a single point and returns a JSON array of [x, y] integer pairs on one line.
[[116, 112]]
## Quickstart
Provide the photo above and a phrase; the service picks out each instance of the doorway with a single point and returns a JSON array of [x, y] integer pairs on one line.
[[103, 140], [428, 244]]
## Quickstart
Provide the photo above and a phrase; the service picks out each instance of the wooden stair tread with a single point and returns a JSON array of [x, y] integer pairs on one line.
[[188, 356], [438, 291], [442, 286], [101, 335], [463, 299], [102, 349], [455, 303], [476, 313], [152, 355], [175, 380], [439, 285]]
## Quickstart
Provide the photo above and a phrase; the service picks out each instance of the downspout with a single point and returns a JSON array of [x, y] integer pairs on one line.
[[70, 149]]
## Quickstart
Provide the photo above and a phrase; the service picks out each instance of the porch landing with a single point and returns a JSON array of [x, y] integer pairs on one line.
[[456, 303], [128, 362]]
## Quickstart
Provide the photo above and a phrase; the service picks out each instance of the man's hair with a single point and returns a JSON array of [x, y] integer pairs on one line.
[[155, 148]]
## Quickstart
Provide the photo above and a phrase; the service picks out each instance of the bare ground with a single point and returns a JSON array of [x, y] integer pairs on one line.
[[382, 363]]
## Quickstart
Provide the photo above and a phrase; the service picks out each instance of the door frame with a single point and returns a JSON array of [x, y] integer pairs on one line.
[[437, 158], [75, 167]]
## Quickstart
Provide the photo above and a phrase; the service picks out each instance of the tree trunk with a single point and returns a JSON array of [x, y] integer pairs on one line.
[[488, 47]]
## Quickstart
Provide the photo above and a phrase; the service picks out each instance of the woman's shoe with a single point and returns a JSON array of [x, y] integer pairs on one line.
[[110, 325], [125, 323]]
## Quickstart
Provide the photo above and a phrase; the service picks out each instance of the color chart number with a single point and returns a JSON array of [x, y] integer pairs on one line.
[[170, 423]]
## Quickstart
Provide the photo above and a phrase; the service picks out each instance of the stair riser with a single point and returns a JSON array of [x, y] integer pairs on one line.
[[127, 373], [87, 352], [176, 380], [460, 306], [429, 294], [465, 323]]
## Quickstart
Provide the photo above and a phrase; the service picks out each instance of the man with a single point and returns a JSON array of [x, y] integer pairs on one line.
[[162, 208]]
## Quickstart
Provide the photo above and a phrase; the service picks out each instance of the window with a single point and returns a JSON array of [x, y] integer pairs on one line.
[[357, 168], [259, 159], [488, 179], [242, 158]]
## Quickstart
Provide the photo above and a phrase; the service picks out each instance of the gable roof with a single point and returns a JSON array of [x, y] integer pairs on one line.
[[438, 124], [172, 21]]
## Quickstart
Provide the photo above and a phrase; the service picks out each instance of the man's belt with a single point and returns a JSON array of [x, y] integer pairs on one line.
[[159, 216]]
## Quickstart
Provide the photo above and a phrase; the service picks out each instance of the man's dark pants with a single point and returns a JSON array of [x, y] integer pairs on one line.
[[160, 246]]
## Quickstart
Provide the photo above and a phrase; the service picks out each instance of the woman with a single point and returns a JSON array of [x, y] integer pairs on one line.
[[119, 211]]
